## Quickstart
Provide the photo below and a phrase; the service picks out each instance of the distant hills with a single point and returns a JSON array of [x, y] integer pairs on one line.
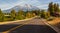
[[24, 8]]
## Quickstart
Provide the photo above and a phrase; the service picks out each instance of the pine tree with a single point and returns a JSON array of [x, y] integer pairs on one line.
[[37, 12], [57, 7], [13, 14], [1, 16], [44, 14], [51, 8]]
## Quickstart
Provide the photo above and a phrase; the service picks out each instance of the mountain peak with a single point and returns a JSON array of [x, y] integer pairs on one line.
[[28, 6], [24, 8]]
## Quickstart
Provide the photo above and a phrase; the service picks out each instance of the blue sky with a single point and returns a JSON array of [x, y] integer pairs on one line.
[[42, 4]]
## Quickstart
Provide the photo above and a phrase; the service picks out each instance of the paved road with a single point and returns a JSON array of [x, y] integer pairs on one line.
[[30, 26]]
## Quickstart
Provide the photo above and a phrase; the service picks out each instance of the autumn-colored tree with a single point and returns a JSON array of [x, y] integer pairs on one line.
[[32, 14], [28, 15], [20, 14], [48, 14]]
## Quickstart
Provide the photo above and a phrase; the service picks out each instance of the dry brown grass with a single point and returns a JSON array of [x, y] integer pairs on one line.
[[54, 21]]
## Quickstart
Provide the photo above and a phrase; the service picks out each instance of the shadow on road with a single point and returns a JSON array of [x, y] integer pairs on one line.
[[7, 27], [28, 29]]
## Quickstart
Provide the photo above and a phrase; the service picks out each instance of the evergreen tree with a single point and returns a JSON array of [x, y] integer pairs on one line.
[[1, 16], [44, 14], [13, 14], [21, 12], [51, 8], [57, 8], [37, 12]]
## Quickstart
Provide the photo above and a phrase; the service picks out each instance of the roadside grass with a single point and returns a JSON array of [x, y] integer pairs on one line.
[[55, 21], [8, 18]]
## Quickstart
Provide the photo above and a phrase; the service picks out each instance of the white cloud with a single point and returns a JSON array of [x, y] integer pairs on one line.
[[9, 5], [38, 3], [4, 6], [44, 6]]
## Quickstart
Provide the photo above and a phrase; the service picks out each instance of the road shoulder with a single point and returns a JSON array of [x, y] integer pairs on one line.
[[52, 24], [8, 22]]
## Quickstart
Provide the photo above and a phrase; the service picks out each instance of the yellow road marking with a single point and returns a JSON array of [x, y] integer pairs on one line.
[[12, 29], [15, 28]]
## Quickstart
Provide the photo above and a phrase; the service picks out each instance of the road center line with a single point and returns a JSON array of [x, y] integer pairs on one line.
[[15, 27]]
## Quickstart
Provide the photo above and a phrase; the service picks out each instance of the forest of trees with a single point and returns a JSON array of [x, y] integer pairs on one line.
[[13, 15], [53, 9]]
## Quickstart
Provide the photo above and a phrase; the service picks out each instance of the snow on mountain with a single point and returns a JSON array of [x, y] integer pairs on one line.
[[24, 8]]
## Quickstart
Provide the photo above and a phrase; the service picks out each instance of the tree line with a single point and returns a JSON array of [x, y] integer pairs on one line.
[[13, 15], [53, 10]]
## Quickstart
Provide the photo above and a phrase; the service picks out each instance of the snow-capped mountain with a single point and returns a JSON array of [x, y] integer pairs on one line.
[[24, 8]]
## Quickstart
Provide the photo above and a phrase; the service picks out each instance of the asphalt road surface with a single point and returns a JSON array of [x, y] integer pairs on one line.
[[30, 26]]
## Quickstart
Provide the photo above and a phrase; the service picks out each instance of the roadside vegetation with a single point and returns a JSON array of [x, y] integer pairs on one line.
[[53, 11], [20, 15]]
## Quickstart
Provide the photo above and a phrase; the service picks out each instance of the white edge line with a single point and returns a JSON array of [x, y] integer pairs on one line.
[[56, 29]]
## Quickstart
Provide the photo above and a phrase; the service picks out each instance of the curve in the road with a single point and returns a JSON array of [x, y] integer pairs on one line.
[[39, 25]]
